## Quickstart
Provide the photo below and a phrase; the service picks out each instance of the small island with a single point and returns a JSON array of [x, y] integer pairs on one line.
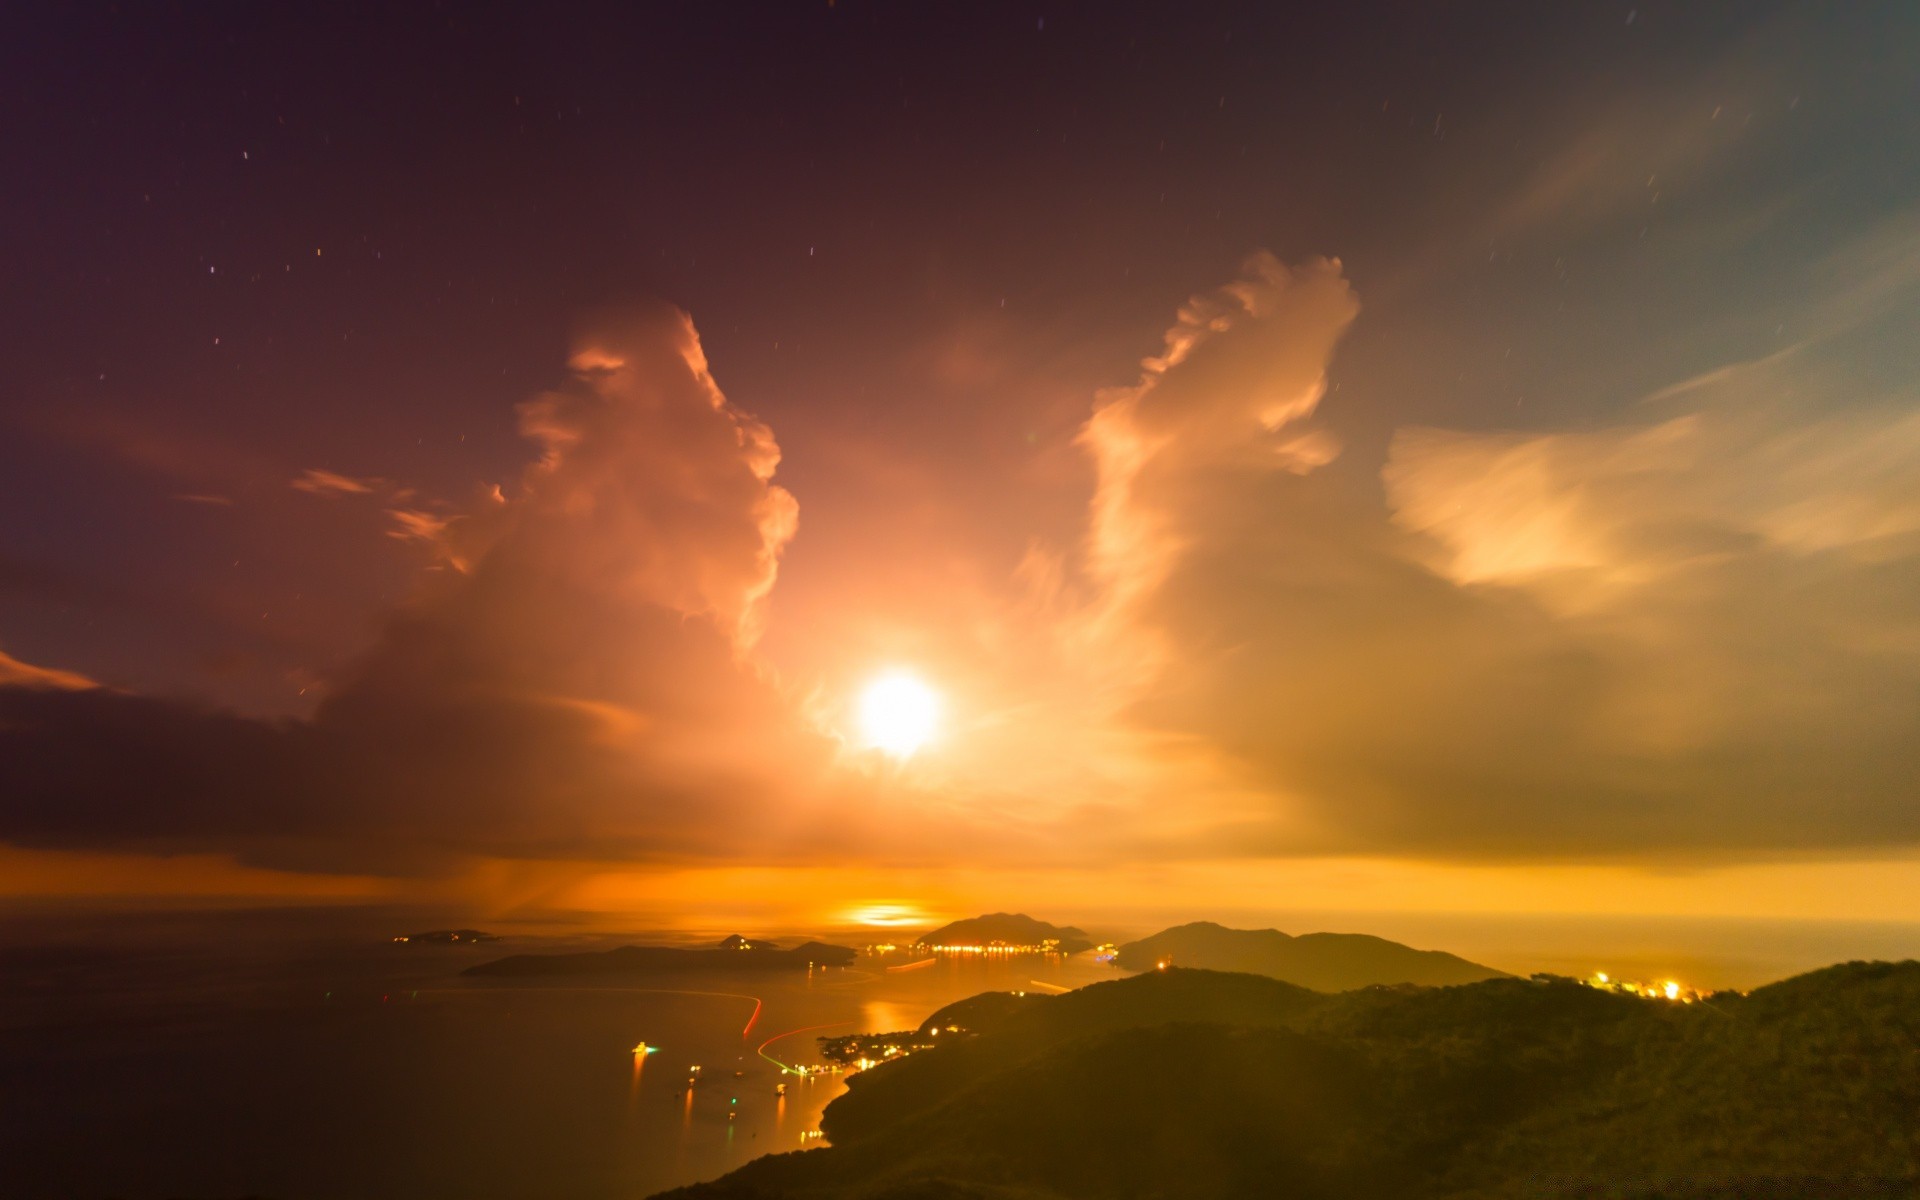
[[1005, 933], [445, 937], [735, 953]]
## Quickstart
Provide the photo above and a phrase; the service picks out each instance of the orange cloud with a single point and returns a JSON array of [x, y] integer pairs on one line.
[[583, 686], [14, 673], [413, 525], [318, 482], [1692, 631], [1684, 634]]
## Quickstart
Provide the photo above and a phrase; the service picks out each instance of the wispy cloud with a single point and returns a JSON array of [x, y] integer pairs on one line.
[[14, 673], [318, 482], [413, 525]]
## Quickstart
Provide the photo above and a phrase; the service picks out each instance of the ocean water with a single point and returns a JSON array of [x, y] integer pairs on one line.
[[252, 1057]]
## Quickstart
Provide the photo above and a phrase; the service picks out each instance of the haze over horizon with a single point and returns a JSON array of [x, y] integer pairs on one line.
[[1431, 473]]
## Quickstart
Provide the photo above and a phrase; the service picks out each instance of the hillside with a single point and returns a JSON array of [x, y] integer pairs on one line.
[[1325, 962], [1191, 1084], [1007, 929]]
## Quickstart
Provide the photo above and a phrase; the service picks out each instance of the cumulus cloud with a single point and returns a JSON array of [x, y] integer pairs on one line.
[[1227, 401], [1697, 630], [581, 685]]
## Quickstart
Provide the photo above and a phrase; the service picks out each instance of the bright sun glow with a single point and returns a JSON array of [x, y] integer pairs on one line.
[[898, 713], [887, 916]]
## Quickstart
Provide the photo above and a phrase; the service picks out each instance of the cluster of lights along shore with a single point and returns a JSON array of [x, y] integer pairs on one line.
[[1045, 946], [1666, 989]]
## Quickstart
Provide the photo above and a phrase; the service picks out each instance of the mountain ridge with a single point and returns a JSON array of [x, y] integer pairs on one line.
[[1326, 962]]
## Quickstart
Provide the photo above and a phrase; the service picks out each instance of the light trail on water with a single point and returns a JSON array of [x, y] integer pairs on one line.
[[762, 1050]]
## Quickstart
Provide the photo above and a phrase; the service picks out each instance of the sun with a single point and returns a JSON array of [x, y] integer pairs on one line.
[[898, 714]]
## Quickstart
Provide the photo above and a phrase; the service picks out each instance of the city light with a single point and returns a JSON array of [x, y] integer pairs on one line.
[[1666, 989]]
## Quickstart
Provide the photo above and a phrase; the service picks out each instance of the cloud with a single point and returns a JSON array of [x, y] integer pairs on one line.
[[317, 482], [583, 687], [1694, 632], [411, 517], [1584, 520], [17, 674], [1740, 582], [414, 525], [1244, 368]]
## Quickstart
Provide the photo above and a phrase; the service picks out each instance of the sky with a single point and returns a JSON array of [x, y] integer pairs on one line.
[[1396, 458]]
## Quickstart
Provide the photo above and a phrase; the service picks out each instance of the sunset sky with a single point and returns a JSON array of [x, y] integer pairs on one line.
[[1391, 459]]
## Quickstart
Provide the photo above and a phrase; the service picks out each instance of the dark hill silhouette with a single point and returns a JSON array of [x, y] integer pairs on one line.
[[1190, 1084], [1002, 1029], [1009, 929], [1325, 962]]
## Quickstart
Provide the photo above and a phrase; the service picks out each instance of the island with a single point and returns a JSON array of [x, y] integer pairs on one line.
[[445, 937], [1005, 933], [735, 953], [1325, 962]]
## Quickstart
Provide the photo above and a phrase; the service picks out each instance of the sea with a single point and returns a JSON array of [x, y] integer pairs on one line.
[[299, 1054]]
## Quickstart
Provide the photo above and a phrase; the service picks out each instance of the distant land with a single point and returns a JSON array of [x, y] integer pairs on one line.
[[1325, 962], [1014, 930], [734, 954], [446, 937], [1187, 1084]]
